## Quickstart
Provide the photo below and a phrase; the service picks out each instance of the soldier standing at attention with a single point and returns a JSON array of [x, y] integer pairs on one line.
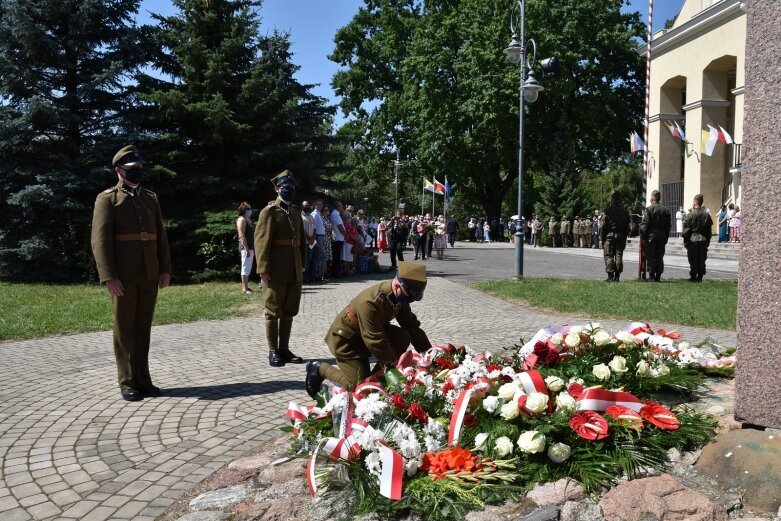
[[566, 228], [655, 229], [363, 329], [613, 234], [132, 256], [697, 230], [281, 252]]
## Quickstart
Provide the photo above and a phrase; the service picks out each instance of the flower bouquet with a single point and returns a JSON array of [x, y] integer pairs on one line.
[[449, 430]]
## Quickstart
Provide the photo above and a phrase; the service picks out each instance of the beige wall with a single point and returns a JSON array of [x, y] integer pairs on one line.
[[704, 55]]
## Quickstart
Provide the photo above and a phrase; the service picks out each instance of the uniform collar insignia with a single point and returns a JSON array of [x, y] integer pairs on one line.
[[132, 192]]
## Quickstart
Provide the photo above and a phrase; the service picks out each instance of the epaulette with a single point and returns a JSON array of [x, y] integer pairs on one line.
[[109, 190]]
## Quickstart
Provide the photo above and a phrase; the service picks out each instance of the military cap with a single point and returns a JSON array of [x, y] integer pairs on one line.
[[282, 178], [128, 156], [412, 276]]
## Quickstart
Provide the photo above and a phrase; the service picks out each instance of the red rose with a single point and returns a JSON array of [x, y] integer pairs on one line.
[[626, 416], [589, 425], [448, 387], [505, 379], [470, 421], [398, 401], [575, 390], [552, 358], [660, 416], [416, 412], [540, 348]]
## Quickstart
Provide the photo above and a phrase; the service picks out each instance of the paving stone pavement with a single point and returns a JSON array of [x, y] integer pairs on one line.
[[70, 448]]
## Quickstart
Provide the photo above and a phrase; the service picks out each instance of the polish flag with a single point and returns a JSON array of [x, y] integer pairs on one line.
[[724, 136]]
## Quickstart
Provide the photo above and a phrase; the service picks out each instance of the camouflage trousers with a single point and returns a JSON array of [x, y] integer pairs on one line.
[[614, 253], [654, 255]]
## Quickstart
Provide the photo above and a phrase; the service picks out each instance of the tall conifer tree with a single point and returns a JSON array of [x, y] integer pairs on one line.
[[63, 111]]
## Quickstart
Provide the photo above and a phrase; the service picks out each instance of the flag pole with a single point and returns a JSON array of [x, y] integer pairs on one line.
[[646, 164], [423, 196]]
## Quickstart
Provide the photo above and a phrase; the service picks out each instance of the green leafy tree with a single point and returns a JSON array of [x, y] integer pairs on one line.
[[229, 115], [63, 113], [431, 77]]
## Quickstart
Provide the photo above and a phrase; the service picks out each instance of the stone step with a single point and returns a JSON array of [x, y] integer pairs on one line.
[[724, 251]]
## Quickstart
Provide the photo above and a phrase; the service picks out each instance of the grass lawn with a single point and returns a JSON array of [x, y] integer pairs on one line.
[[37, 309], [711, 304]]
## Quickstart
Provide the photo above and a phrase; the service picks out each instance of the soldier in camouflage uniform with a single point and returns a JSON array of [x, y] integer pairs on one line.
[[133, 259], [697, 230], [363, 329], [281, 253], [655, 230], [613, 234]]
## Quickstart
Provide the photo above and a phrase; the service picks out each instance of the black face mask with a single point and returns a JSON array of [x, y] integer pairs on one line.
[[134, 175], [287, 192]]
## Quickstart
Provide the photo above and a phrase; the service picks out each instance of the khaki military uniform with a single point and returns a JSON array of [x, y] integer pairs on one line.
[[655, 228], [566, 229], [130, 244], [363, 329], [614, 231], [553, 231], [697, 231], [280, 251]]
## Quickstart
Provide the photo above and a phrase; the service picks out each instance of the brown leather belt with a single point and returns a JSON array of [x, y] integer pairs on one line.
[[285, 242], [143, 236], [351, 316]]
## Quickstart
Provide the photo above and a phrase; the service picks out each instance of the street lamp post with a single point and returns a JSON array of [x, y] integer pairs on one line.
[[529, 91]]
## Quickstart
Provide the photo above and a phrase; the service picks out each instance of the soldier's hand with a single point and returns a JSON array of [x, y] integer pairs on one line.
[[115, 287], [165, 280], [265, 278]]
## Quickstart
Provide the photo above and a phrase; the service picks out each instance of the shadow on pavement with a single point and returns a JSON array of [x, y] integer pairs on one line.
[[220, 391]]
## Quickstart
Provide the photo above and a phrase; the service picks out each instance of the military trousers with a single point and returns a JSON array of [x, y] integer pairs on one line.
[[697, 253], [133, 313], [614, 253], [281, 298], [654, 255], [352, 359]]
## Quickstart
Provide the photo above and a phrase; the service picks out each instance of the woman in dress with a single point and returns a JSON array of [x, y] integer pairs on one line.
[[730, 224], [246, 234], [722, 223], [382, 235], [351, 233], [736, 219], [440, 237], [327, 239]]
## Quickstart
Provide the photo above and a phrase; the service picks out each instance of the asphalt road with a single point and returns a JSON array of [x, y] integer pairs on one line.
[[470, 262]]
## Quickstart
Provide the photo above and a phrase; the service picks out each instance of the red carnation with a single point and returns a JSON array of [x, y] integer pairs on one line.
[[398, 401], [626, 416], [589, 425], [470, 421], [660, 416], [493, 367], [417, 413], [448, 387]]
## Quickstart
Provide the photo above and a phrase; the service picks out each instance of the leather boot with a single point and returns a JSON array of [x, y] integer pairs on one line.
[[609, 276], [285, 326], [272, 337]]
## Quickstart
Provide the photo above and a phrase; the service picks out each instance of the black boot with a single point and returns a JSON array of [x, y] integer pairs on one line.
[[658, 277], [616, 277], [285, 326], [610, 276], [275, 360], [313, 381]]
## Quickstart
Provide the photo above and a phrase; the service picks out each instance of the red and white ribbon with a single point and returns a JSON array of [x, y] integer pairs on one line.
[[457, 418], [392, 474], [635, 328], [296, 412], [532, 382], [597, 399], [337, 449]]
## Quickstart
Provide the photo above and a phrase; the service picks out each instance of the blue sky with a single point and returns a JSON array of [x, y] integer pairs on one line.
[[313, 23]]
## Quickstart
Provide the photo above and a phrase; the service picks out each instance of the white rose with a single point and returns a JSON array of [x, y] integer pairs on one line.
[[554, 383], [507, 391], [625, 337], [643, 369], [510, 410], [557, 339], [565, 401], [490, 404], [618, 364], [602, 338], [559, 452], [531, 442], [601, 371], [503, 446], [537, 402], [683, 346], [662, 370], [576, 330], [595, 326], [480, 440], [572, 340], [575, 381]]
